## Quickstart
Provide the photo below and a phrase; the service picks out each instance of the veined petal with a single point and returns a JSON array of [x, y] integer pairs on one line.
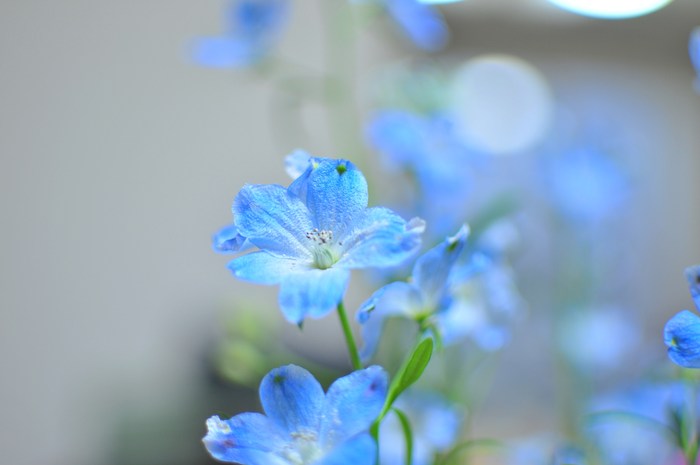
[[273, 219], [380, 238], [336, 192], [293, 399], [229, 240], [359, 450], [398, 298], [693, 275], [682, 336], [247, 438], [312, 293], [352, 404], [433, 267], [263, 268]]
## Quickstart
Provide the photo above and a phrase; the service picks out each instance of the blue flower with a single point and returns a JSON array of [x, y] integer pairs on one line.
[[313, 233], [302, 425], [682, 332], [434, 422], [421, 299], [229, 240], [254, 27], [694, 50], [421, 23]]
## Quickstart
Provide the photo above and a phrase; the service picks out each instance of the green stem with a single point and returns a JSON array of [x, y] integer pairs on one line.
[[691, 440], [349, 338]]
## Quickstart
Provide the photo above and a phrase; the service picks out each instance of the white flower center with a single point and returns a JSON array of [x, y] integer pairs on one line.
[[304, 449], [324, 250]]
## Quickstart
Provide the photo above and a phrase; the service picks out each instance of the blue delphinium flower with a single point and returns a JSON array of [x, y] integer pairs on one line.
[[302, 425], [682, 332], [311, 234], [434, 423], [422, 299], [694, 50], [253, 28]]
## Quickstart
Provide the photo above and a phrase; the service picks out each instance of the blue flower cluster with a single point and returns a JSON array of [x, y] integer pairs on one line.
[[682, 332]]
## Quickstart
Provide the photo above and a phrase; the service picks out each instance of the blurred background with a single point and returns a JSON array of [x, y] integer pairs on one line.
[[121, 156]]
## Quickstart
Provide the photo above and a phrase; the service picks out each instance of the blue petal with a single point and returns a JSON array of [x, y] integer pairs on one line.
[[248, 439], [693, 275], [352, 404], [297, 163], [223, 52], [682, 336], [336, 194], [433, 267], [262, 268], [359, 450], [273, 219], [312, 293], [380, 238], [229, 240], [397, 298], [694, 48], [422, 24], [293, 399], [257, 19]]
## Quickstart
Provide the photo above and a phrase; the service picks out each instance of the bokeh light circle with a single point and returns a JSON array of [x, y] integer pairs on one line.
[[611, 9], [501, 104]]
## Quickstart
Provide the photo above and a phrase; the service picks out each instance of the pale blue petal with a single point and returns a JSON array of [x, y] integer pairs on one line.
[[359, 450], [682, 336], [312, 293], [433, 267], [228, 240], [297, 162], [422, 24], [352, 404], [380, 238], [693, 275], [336, 194], [273, 220], [247, 439], [694, 48], [293, 399], [223, 52], [398, 298], [263, 268]]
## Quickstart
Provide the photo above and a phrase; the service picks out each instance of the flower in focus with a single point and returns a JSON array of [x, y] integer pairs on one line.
[[253, 28], [311, 234], [421, 299], [302, 425], [694, 50], [434, 423], [682, 331]]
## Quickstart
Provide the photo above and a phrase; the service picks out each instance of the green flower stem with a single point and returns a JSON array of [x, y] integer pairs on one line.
[[690, 423], [349, 338]]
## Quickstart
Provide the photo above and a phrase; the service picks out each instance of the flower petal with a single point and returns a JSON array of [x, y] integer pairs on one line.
[[423, 24], [223, 52], [247, 438], [352, 404], [433, 267], [682, 336], [398, 298], [694, 48], [359, 450], [273, 219], [312, 293], [229, 240], [380, 238], [336, 191], [262, 267], [293, 399], [693, 275]]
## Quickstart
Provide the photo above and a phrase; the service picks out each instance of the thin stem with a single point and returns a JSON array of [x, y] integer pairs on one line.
[[349, 338], [691, 445]]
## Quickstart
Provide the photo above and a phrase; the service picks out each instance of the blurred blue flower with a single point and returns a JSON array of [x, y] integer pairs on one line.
[[434, 422], [421, 23], [586, 185], [302, 425], [422, 299], [694, 50], [311, 235], [253, 28], [682, 331]]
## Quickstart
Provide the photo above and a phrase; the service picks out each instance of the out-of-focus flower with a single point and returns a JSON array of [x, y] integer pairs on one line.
[[422, 299], [585, 185], [253, 28], [694, 50], [682, 331], [434, 423], [302, 425], [313, 233]]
